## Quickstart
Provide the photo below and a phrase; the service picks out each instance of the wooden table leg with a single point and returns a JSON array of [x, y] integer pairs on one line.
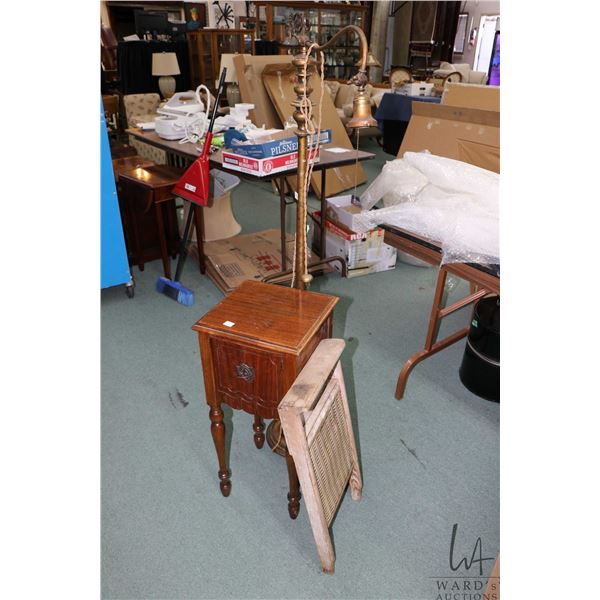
[[199, 224], [294, 493], [217, 429], [259, 432], [137, 252], [163, 240]]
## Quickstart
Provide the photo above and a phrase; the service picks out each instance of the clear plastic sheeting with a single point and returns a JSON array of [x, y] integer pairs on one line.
[[398, 182], [447, 201]]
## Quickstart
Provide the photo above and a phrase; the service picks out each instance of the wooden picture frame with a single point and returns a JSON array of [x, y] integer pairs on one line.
[[195, 15]]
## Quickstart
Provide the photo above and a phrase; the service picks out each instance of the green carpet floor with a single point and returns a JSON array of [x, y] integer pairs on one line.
[[429, 461]]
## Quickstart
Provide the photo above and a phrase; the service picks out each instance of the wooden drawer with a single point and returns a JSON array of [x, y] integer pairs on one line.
[[247, 378]]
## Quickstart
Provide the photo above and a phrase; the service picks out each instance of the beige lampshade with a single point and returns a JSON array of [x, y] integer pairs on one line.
[[165, 63], [227, 62], [371, 61]]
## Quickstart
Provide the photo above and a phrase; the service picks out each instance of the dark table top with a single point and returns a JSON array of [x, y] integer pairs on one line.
[[328, 158], [491, 269]]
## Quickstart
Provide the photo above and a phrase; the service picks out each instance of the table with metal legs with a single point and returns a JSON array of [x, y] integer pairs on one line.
[[328, 160]]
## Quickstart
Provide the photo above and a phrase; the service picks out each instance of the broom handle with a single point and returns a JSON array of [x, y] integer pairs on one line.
[[219, 92], [208, 138], [184, 242]]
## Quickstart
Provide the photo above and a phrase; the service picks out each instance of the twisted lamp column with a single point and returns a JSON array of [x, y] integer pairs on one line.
[[361, 118]]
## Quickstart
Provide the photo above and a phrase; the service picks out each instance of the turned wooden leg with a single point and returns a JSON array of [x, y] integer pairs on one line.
[[259, 432], [217, 429], [294, 493]]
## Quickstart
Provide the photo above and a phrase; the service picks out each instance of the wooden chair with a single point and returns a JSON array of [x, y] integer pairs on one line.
[[399, 76], [440, 79], [140, 108], [318, 431]]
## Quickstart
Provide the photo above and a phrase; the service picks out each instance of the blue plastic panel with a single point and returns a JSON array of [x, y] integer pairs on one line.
[[114, 267]]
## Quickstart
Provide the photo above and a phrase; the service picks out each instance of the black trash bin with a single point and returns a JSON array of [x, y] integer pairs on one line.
[[480, 367]]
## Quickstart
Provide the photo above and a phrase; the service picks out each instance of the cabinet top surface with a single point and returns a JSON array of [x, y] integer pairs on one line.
[[152, 176], [270, 313]]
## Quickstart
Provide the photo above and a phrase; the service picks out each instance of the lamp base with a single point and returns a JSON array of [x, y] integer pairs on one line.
[[275, 438], [166, 85]]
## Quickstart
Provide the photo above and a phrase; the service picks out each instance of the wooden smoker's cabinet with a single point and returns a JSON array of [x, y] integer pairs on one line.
[[253, 344]]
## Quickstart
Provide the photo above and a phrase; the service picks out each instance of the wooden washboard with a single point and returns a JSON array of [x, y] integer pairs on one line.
[[318, 432]]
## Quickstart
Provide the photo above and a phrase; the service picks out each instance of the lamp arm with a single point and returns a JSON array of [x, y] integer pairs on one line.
[[360, 78]]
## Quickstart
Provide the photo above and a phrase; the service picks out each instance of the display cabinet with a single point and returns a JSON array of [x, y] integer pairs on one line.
[[325, 20], [205, 47]]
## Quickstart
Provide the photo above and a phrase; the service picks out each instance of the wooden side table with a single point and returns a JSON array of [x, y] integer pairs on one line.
[[125, 164], [253, 344], [148, 205]]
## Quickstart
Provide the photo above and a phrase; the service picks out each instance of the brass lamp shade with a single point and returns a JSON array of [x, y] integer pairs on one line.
[[371, 61], [361, 112]]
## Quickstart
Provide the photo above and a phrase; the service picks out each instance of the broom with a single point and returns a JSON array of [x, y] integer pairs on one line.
[[193, 187]]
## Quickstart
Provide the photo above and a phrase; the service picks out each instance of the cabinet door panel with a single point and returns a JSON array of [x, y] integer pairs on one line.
[[248, 379]]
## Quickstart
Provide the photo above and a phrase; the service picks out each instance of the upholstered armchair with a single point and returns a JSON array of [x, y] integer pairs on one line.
[[400, 76], [467, 74], [141, 108]]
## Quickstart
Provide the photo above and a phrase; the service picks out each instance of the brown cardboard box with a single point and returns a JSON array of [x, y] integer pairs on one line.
[[248, 256], [341, 209], [249, 73], [364, 253], [470, 95], [278, 80], [467, 134]]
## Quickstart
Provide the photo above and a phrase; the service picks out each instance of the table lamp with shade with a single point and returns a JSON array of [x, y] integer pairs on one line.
[[165, 65], [232, 90]]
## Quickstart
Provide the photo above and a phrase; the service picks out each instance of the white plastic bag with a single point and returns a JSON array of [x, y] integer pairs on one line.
[[397, 182], [447, 201]]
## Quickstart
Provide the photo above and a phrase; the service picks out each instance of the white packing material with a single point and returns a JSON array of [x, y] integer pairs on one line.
[[398, 182], [458, 207]]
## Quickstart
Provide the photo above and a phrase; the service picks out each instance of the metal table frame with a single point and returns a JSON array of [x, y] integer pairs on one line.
[[328, 160], [484, 280]]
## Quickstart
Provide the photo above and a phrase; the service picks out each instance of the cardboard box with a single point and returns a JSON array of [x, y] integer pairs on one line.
[[231, 261], [341, 209], [418, 88], [249, 73], [364, 253], [264, 166], [279, 81], [363, 256], [276, 144], [467, 134], [471, 95]]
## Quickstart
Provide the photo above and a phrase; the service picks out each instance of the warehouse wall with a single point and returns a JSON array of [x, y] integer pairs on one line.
[[476, 10]]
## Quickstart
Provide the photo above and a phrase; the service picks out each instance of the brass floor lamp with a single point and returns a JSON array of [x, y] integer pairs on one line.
[[361, 117]]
